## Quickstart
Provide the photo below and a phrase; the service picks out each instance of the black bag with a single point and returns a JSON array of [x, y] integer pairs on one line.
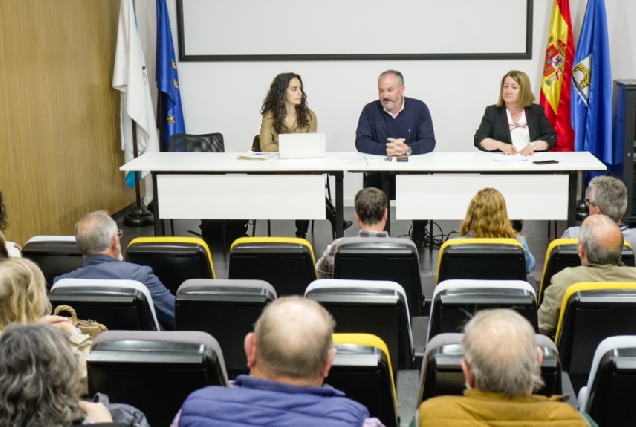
[[212, 230]]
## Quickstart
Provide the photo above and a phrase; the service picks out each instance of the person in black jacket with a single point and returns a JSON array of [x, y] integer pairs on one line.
[[515, 125]]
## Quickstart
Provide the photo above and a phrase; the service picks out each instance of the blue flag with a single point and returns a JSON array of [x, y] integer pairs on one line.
[[592, 87], [170, 115]]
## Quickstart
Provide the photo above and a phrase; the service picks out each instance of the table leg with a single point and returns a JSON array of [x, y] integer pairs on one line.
[[339, 203], [386, 187], [159, 226]]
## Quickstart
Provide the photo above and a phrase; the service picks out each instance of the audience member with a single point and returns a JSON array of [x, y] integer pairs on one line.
[[40, 382], [600, 247], [289, 354], [487, 217], [370, 212], [7, 248], [4, 250], [607, 196], [395, 125], [23, 299], [501, 365], [98, 239]]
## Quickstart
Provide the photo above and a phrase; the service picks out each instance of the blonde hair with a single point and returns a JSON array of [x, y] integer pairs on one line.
[[487, 216], [526, 97], [23, 296]]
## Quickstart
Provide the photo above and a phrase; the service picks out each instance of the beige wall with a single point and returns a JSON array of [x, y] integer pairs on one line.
[[59, 120]]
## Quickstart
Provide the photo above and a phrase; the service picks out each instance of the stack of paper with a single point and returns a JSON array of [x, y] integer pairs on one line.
[[256, 155]]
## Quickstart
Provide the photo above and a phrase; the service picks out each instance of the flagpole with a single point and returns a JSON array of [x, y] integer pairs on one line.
[[138, 216]]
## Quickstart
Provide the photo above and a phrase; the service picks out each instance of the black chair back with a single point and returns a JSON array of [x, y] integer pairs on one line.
[[54, 257], [225, 309], [390, 259], [118, 307], [211, 142], [287, 264], [154, 371]]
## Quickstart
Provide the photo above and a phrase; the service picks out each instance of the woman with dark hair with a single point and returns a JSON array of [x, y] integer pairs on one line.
[[40, 381], [515, 125], [487, 218], [8, 248], [285, 110]]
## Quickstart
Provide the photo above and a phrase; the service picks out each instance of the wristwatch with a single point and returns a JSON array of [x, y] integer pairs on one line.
[[409, 151]]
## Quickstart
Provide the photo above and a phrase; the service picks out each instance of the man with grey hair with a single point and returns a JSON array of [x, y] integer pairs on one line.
[[607, 196], [98, 239], [600, 247], [393, 126], [289, 354], [501, 365]]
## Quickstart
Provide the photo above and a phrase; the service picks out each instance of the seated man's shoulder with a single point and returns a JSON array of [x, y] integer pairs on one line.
[[571, 233]]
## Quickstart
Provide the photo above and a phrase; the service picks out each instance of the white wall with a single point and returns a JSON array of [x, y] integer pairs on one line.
[[226, 96]]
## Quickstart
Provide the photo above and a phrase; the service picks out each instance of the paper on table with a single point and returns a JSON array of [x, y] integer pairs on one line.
[[256, 155], [500, 157]]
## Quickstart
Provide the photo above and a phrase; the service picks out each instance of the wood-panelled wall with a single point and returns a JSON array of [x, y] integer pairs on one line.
[[59, 117]]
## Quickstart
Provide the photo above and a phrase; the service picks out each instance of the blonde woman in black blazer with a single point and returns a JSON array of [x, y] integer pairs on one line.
[[515, 125]]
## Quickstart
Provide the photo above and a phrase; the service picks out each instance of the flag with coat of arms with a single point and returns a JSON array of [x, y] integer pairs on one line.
[[130, 77]]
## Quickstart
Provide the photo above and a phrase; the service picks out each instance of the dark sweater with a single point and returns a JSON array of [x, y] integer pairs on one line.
[[414, 124]]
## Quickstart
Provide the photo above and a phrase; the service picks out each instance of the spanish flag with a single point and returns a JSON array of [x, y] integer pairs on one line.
[[557, 75]]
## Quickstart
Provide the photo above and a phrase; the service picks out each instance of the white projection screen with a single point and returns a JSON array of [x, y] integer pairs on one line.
[[240, 30]]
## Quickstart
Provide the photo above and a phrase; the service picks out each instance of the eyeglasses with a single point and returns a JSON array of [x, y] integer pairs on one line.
[[590, 203], [120, 233]]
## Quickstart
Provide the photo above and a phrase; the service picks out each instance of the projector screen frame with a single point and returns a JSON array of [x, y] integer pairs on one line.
[[185, 57]]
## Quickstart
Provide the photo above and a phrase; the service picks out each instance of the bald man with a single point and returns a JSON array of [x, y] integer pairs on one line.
[[600, 247], [501, 365], [289, 355]]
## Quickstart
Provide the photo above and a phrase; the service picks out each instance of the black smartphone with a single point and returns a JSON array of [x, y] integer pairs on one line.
[[402, 158], [545, 162]]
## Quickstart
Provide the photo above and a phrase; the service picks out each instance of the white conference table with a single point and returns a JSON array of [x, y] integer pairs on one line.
[[437, 185]]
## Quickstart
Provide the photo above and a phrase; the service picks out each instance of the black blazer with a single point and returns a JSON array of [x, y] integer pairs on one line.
[[494, 125]]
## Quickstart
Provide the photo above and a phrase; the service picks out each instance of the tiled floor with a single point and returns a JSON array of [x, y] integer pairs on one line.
[[536, 233]]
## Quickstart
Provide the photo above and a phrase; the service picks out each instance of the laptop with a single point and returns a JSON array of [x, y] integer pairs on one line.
[[302, 145]]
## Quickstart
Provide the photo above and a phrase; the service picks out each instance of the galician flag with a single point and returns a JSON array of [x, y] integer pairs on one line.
[[557, 75], [592, 87], [130, 77]]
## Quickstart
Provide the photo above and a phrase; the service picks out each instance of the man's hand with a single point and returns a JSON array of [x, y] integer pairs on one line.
[[60, 322], [396, 147]]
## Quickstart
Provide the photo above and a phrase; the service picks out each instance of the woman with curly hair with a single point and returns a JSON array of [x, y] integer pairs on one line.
[[6, 248], [487, 217], [23, 299], [39, 380], [285, 110]]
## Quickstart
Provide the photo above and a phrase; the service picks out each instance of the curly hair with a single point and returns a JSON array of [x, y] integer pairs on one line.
[[23, 296], [487, 216], [39, 377], [3, 214], [275, 102]]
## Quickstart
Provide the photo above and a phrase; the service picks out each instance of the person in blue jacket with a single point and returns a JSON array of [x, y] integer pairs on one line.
[[98, 239], [395, 125]]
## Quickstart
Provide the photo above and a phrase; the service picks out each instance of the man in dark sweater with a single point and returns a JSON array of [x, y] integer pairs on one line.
[[395, 126]]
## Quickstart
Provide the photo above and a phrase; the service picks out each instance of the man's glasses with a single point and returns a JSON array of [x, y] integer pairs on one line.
[[588, 202], [120, 233]]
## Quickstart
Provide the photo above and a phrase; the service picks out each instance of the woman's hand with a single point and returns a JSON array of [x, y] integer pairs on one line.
[[507, 149], [528, 150], [96, 412], [60, 322]]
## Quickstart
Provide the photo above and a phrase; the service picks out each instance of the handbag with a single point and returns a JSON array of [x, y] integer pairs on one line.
[[88, 327]]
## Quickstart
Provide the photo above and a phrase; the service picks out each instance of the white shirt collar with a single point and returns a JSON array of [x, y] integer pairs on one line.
[[396, 114]]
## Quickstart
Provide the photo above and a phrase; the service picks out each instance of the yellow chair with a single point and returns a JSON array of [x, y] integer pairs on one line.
[[497, 259], [173, 259], [562, 253], [591, 312], [288, 264], [362, 369]]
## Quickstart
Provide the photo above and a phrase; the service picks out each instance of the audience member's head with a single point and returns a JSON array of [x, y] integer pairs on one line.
[[600, 241], [501, 354], [487, 216], [39, 377], [23, 296], [608, 196], [525, 97], [3, 214], [371, 207], [291, 342], [97, 234]]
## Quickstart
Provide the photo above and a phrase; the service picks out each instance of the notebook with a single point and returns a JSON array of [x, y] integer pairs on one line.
[[302, 145]]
